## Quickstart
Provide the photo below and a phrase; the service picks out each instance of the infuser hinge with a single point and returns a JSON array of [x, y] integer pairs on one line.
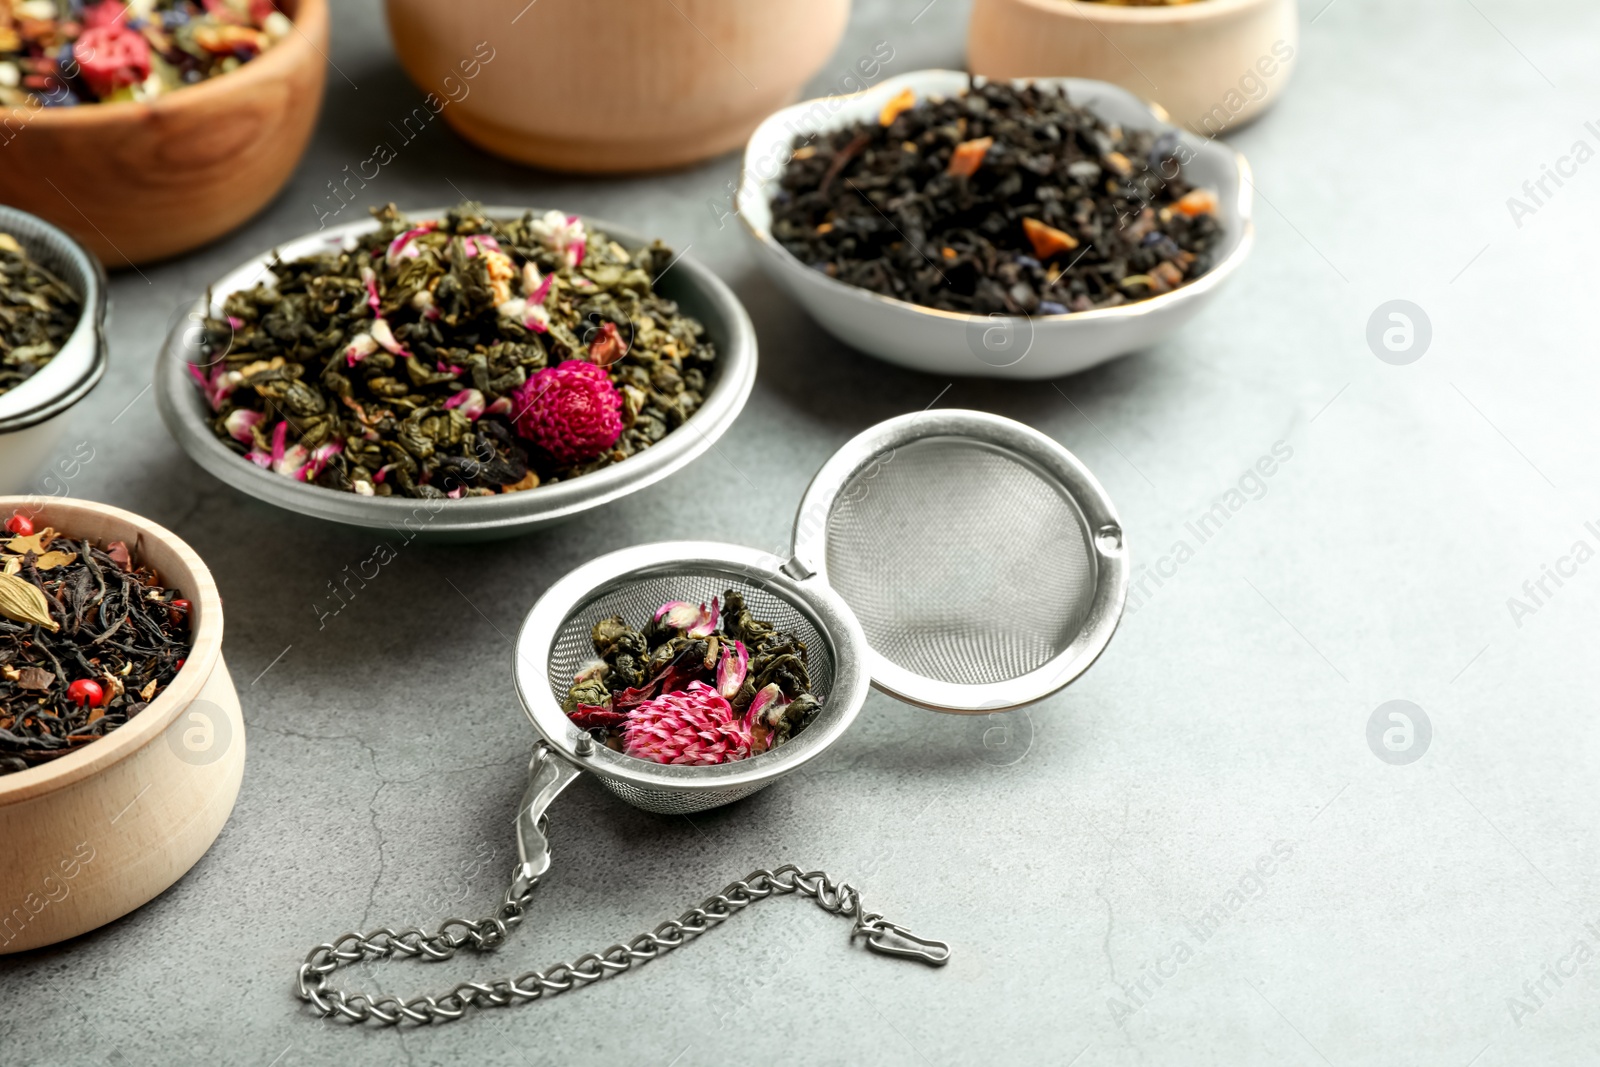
[[796, 570]]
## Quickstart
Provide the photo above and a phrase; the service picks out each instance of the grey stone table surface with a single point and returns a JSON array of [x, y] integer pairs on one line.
[[1097, 861]]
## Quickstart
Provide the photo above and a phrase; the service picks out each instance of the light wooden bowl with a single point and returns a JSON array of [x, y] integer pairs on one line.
[[1213, 64], [612, 85], [93, 835], [141, 182]]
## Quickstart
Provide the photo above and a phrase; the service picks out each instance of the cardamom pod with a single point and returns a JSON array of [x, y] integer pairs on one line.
[[21, 601]]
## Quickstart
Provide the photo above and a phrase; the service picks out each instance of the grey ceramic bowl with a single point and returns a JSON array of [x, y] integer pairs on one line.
[[33, 415], [698, 292]]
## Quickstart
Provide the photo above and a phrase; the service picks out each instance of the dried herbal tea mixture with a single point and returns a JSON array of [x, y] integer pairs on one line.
[[88, 638], [60, 53], [698, 685], [1000, 200], [463, 357], [38, 312]]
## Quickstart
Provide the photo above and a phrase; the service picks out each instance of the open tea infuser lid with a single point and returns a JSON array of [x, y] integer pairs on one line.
[[957, 560]]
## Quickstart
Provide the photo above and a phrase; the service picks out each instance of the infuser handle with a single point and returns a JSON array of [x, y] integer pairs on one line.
[[548, 775]]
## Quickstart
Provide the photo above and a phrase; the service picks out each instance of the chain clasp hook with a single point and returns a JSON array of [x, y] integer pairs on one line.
[[891, 939]]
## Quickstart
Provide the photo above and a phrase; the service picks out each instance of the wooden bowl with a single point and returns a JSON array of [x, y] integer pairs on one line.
[[1213, 64], [141, 182], [611, 85], [94, 834]]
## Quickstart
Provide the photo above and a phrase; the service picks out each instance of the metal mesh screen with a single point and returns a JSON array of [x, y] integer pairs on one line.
[[963, 562], [636, 601]]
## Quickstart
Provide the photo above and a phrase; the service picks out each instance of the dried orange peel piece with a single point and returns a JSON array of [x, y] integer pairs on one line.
[[902, 102], [1047, 240], [968, 157], [1197, 202]]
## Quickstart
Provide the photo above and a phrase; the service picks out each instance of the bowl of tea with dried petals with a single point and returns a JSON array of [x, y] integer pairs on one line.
[[121, 742], [476, 372], [147, 128], [1024, 229]]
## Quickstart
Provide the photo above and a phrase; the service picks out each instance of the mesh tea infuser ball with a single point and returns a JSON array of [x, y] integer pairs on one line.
[[956, 560]]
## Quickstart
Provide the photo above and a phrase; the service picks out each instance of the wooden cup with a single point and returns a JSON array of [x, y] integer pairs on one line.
[[1213, 65], [96, 833], [612, 85]]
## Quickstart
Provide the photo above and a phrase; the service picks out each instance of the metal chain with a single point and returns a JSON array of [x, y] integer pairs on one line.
[[838, 898]]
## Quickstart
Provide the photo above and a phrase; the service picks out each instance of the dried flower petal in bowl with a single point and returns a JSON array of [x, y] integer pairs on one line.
[[700, 684], [451, 357]]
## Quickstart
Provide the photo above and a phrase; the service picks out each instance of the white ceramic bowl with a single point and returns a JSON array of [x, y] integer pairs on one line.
[[999, 346], [699, 293], [33, 415]]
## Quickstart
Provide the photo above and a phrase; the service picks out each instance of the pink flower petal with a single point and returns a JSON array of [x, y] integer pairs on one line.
[[385, 337], [705, 623], [470, 401], [280, 434], [401, 246], [732, 670], [240, 422], [770, 697], [293, 462], [678, 614], [539, 294], [360, 347]]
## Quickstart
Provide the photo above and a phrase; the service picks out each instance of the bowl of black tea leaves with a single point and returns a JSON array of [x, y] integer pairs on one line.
[[457, 374], [1024, 229], [122, 744]]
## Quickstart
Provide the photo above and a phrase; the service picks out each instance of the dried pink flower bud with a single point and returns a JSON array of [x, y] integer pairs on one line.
[[694, 727], [572, 411]]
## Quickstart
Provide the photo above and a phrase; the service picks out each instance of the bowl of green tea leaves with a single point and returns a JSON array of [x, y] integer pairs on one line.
[[52, 348], [38, 312], [1020, 229], [471, 372]]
